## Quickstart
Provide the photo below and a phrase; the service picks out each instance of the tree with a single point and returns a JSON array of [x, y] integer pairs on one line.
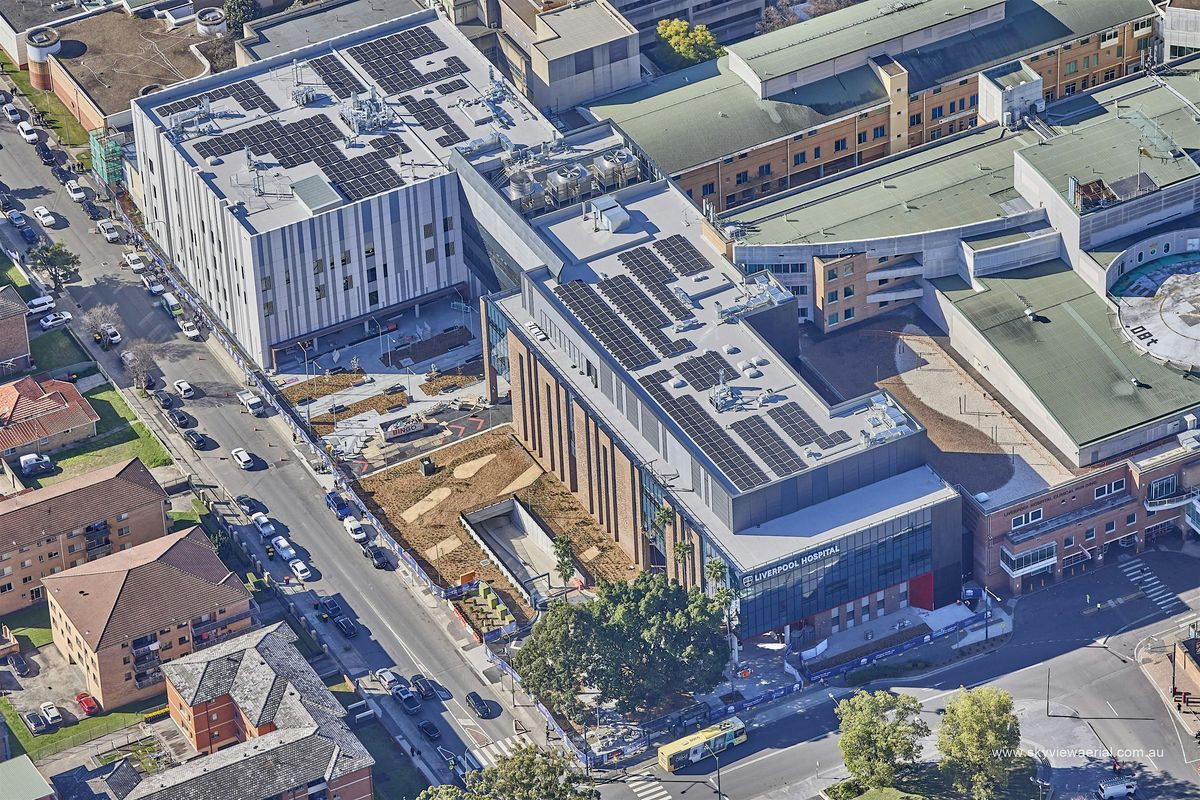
[[681, 44], [715, 572], [55, 259], [552, 662], [238, 13], [880, 733], [817, 8], [564, 557], [528, 773], [138, 358], [978, 729], [97, 317], [776, 16], [682, 550]]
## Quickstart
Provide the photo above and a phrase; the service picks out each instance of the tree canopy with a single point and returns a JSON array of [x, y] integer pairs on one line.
[[55, 258], [776, 16], [978, 729], [881, 732], [682, 44], [633, 644], [238, 13], [528, 773]]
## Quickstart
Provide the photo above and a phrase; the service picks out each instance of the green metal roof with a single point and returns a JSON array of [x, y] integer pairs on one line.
[[849, 30], [1070, 357], [22, 781]]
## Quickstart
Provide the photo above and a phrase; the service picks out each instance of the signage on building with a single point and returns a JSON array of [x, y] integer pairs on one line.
[[788, 566]]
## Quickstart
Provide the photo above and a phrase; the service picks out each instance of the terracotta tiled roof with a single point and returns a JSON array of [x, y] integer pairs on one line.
[[145, 588], [11, 304], [30, 411], [77, 502]]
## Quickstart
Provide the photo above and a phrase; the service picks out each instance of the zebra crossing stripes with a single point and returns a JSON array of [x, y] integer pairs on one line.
[[490, 753], [1154, 589], [647, 787]]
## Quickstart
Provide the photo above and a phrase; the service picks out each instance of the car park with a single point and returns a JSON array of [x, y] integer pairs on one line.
[[263, 523], [477, 705], [388, 678], [248, 504], [357, 531], [408, 700], [36, 723], [285, 550], [163, 399], [15, 217], [189, 328], [87, 704], [423, 686], [28, 234], [242, 458], [44, 153], [337, 504], [299, 569], [54, 320], [75, 191], [51, 713], [329, 606], [177, 417], [135, 262], [28, 132], [185, 390], [346, 626], [110, 334], [44, 216], [18, 664], [36, 464], [197, 440], [429, 730], [40, 305], [153, 285], [109, 231]]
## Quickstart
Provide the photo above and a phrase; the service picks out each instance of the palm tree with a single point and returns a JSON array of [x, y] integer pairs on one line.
[[715, 571]]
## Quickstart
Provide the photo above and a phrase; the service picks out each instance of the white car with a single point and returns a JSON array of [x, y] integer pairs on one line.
[[265, 528], [111, 333], [356, 529], [135, 262], [51, 713], [54, 320], [44, 216], [153, 285], [185, 390], [109, 231], [284, 548], [242, 458], [300, 569], [389, 679], [40, 305], [189, 328], [76, 192]]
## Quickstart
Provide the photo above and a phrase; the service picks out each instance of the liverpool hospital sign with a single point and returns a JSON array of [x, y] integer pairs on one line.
[[788, 566]]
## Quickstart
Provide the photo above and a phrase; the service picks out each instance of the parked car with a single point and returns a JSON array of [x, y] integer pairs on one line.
[[36, 722], [242, 458], [153, 285], [15, 217], [28, 234], [6, 202], [261, 521], [51, 713], [91, 209], [110, 334], [135, 262], [285, 549], [374, 552], [177, 418], [300, 570], [109, 231], [40, 305], [163, 399], [346, 626], [189, 328], [28, 132], [12, 112], [18, 664], [477, 705], [357, 531], [44, 216], [429, 730], [75, 191], [44, 153], [337, 504], [408, 700], [197, 440], [423, 686], [185, 390], [55, 319], [87, 704], [36, 464], [329, 606], [388, 678], [248, 504]]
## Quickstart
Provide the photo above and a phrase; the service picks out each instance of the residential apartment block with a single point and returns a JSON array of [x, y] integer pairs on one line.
[[40, 416], [875, 79], [46, 531], [121, 618], [14, 331]]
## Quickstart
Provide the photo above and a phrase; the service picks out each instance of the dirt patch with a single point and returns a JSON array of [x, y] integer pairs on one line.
[[320, 386], [526, 478], [457, 378], [468, 470], [426, 504], [381, 403], [424, 349]]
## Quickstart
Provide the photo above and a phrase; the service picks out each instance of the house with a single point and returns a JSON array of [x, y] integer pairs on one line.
[[46, 531], [14, 332], [39, 416], [122, 617], [22, 781]]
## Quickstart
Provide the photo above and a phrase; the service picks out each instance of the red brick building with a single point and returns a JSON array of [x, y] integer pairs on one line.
[[41, 416]]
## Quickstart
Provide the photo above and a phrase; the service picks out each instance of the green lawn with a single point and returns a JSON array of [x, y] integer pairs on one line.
[[54, 350], [30, 625], [181, 520], [342, 690], [85, 730], [65, 126], [132, 441], [394, 774], [11, 274], [146, 754], [113, 410]]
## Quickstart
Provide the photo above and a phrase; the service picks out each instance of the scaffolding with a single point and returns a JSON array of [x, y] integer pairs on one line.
[[108, 154]]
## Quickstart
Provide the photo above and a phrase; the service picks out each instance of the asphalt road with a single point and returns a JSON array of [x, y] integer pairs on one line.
[[398, 626]]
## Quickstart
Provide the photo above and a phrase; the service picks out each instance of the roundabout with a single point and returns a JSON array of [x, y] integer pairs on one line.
[[1158, 306]]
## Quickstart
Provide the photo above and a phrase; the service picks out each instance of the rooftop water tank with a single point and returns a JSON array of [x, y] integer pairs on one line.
[[211, 22]]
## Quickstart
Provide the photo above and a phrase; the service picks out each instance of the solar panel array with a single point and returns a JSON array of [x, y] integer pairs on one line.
[[654, 276], [682, 255], [704, 371], [803, 430], [390, 60], [432, 117], [247, 93], [337, 77], [315, 139], [769, 445], [599, 318], [633, 303], [456, 85], [699, 425]]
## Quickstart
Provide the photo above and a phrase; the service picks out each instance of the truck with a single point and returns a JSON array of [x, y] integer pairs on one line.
[[252, 402]]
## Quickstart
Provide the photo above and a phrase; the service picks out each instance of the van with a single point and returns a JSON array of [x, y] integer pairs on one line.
[[12, 113], [1116, 788], [40, 305], [28, 132]]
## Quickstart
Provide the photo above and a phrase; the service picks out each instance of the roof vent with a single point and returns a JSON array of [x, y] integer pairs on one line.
[[729, 349], [679, 383]]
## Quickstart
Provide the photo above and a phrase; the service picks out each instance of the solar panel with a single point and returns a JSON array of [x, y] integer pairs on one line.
[[704, 371], [682, 255], [654, 276], [337, 77], [631, 301], [456, 85], [653, 384], [802, 429], [605, 325], [392, 60], [247, 93], [715, 442], [769, 445]]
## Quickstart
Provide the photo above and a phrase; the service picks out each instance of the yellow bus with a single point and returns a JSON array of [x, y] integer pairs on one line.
[[701, 744]]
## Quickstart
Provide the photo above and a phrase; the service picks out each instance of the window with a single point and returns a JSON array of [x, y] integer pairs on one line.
[[1071, 68], [430, 256], [345, 257], [839, 145], [831, 297], [268, 310], [1028, 518], [862, 137], [1111, 488], [1110, 74], [973, 100], [267, 283], [1131, 518], [372, 298], [848, 314], [1108, 37], [831, 274], [1069, 89], [320, 290], [318, 266], [742, 177], [799, 158], [848, 292], [618, 51], [449, 249], [427, 229], [369, 251], [879, 132], [1110, 526], [816, 153], [1143, 44], [936, 112], [1163, 487], [347, 283], [1141, 28], [936, 133], [1069, 541], [914, 120], [730, 200], [707, 189], [372, 275], [1089, 534], [123, 531], [764, 170], [831, 320]]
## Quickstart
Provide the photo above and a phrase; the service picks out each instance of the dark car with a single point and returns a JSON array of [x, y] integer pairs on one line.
[[29, 234], [90, 209], [37, 724], [423, 686], [327, 605], [44, 153], [248, 504], [347, 627], [163, 399], [6, 202], [408, 700], [178, 418], [197, 440], [145, 382], [62, 174], [338, 505], [477, 705], [429, 730], [18, 664], [375, 553]]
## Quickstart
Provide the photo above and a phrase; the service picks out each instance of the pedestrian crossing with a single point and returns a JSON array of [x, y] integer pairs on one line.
[[647, 787], [1145, 579], [489, 754]]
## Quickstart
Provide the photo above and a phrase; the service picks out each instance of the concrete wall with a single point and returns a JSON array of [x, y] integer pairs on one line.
[[1184, 240], [1181, 28]]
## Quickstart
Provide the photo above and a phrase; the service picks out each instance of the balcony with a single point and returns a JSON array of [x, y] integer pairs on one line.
[[888, 294], [200, 628], [149, 680], [906, 269], [99, 549], [142, 649], [1025, 563], [1181, 498]]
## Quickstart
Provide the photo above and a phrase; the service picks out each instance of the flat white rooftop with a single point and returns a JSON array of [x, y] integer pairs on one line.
[[367, 113]]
